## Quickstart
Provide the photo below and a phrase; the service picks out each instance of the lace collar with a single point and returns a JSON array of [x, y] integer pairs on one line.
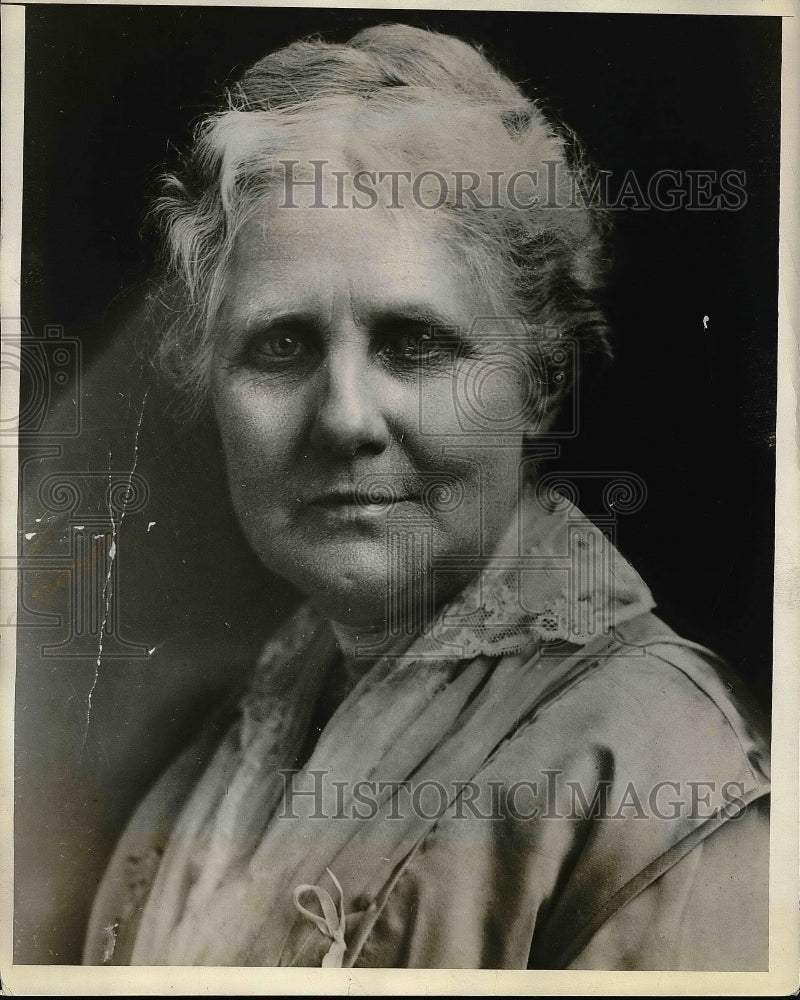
[[564, 582]]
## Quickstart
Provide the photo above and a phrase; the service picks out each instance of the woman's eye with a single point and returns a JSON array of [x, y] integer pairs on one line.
[[283, 347], [278, 349], [410, 347]]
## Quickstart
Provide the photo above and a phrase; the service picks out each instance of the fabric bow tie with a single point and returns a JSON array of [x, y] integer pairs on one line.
[[331, 923]]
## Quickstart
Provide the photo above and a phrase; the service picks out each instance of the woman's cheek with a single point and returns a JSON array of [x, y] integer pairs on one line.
[[437, 402], [258, 425]]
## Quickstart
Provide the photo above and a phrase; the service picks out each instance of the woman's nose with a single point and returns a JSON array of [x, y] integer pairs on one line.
[[349, 417]]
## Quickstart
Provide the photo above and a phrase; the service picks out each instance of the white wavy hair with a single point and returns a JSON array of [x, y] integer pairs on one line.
[[392, 98]]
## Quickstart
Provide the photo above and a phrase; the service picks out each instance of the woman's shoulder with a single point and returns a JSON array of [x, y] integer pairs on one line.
[[653, 706]]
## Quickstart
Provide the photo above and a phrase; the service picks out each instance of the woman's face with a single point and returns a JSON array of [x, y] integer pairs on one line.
[[326, 400]]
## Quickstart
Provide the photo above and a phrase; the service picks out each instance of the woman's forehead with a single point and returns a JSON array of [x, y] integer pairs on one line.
[[378, 260]]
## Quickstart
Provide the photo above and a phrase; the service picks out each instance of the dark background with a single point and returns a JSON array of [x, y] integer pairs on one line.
[[110, 93]]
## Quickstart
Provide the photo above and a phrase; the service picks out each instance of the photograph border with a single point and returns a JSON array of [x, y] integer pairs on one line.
[[783, 977]]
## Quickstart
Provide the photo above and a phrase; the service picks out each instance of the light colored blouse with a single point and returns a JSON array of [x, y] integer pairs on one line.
[[549, 777]]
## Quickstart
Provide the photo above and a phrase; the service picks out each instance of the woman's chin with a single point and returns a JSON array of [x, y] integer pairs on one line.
[[352, 597], [353, 581]]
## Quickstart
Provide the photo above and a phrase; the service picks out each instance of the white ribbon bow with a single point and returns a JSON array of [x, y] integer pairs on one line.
[[331, 924]]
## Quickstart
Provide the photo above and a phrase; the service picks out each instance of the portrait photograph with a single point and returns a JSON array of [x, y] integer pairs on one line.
[[399, 482]]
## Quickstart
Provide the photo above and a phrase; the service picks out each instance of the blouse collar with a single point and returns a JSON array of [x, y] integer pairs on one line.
[[564, 581]]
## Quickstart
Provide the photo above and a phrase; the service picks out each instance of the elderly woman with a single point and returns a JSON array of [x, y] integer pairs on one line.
[[475, 745]]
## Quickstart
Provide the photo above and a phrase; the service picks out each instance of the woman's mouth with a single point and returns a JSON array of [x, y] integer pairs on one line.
[[366, 500], [356, 506]]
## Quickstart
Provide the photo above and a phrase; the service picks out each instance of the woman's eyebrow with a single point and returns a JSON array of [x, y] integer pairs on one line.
[[405, 314], [262, 320], [288, 319]]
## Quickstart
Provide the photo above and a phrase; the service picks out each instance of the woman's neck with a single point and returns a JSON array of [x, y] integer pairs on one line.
[[354, 639], [362, 646]]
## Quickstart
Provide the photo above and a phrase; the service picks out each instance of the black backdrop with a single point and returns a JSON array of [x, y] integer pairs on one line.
[[110, 93]]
